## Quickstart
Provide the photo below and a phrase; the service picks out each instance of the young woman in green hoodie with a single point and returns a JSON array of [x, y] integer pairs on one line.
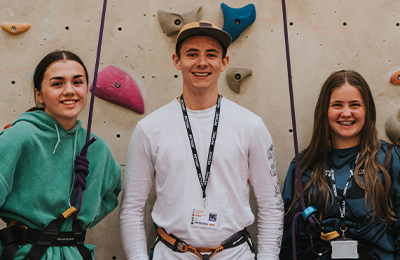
[[37, 177]]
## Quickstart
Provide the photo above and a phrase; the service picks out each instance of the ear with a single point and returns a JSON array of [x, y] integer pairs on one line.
[[225, 62], [39, 97], [177, 61]]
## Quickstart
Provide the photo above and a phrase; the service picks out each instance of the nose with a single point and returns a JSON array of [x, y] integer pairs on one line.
[[202, 62], [69, 88], [346, 111]]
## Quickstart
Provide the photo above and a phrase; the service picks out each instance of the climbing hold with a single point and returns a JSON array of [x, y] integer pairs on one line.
[[395, 78], [236, 20], [15, 28], [392, 127], [173, 22], [116, 86], [235, 76]]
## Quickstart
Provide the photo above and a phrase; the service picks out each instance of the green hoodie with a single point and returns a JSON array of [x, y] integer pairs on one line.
[[36, 177]]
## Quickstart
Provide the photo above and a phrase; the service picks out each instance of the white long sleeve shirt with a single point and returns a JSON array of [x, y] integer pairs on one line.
[[159, 151]]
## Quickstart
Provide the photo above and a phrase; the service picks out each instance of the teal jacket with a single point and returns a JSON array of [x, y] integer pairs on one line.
[[36, 177]]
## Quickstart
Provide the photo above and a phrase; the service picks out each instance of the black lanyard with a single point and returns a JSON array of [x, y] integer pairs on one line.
[[203, 184], [342, 203]]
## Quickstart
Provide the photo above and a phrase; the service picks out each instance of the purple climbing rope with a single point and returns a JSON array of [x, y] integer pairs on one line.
[[96, 69], [296, 149], [82, 164]]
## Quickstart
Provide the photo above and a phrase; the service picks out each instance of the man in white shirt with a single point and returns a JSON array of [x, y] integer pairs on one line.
[[203, 151]]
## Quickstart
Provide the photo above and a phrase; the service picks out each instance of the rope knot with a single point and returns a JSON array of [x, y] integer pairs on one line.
[[82, 171]]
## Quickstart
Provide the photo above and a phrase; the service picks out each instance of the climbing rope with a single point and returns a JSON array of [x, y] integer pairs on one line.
[[307, 213], [82, 164]]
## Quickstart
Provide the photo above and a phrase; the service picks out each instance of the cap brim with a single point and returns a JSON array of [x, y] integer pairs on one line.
[[223, 37]]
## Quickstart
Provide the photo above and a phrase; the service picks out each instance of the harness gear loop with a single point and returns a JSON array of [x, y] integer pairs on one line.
[[178, 245]]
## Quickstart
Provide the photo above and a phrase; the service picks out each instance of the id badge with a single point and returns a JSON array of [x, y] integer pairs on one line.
[[344, 248], [204, 219]]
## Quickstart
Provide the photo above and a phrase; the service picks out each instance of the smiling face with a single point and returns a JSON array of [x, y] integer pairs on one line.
[[201, 64], [346, 115], [63, 92]]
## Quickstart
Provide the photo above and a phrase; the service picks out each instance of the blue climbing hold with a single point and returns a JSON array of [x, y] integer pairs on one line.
[[236, 20]]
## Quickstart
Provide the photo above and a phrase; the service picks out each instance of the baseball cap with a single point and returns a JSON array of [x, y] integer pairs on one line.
[[204, 28]]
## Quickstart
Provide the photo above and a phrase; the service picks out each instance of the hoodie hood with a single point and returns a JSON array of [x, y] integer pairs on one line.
[[46, 123]]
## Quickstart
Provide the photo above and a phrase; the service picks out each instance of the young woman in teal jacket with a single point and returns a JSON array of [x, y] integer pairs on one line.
[[37, 178]]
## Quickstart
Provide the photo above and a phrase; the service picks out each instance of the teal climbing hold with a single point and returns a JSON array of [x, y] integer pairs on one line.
[[236, 20]]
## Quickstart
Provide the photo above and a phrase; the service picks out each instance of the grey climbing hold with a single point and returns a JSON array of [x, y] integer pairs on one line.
[[172, 22], [392, 127], [235, 76]]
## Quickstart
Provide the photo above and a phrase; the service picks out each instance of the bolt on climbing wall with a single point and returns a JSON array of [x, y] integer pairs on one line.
[[139, 76]]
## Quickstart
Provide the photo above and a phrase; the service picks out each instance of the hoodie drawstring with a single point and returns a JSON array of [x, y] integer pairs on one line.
[[58, 139]]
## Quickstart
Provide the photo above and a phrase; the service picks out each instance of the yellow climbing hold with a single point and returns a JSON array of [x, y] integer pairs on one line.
[[16, 28]]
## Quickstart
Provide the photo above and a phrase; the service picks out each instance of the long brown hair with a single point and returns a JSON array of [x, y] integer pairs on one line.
[[315, 155]]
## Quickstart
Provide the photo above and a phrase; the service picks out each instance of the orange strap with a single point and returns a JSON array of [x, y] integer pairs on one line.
[[14, 222], [188, 248]]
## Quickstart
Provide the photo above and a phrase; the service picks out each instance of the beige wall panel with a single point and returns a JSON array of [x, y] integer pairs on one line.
[[324, 36]]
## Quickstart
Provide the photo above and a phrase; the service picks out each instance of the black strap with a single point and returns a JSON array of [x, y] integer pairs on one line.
[[8, 237], [83, 250], [341, 202], [203, 184], [51, 238], [39, 248], [41, 240], [239, 238]]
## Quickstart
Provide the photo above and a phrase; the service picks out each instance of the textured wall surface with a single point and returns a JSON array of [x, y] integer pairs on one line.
[[324, 36]]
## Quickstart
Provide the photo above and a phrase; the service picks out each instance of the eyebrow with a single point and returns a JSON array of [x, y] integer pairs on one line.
[[209, 50], [351, 101], [61, 78]]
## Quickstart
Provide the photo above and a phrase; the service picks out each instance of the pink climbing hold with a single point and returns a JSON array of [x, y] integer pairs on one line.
[[116, 86]]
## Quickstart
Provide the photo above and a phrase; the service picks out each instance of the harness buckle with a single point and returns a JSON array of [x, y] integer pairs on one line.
[[180, 246]]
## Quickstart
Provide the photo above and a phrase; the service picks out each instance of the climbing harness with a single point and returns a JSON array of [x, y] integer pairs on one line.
[[14, 235], [41, 240], [205, 253]]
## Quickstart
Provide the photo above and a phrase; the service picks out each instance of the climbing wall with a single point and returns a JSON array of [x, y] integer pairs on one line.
[[324, 36]]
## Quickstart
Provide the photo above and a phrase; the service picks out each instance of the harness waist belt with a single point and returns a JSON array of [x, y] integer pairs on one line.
[[25, 236], [180, 246], [53, 238], [41, 240]]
